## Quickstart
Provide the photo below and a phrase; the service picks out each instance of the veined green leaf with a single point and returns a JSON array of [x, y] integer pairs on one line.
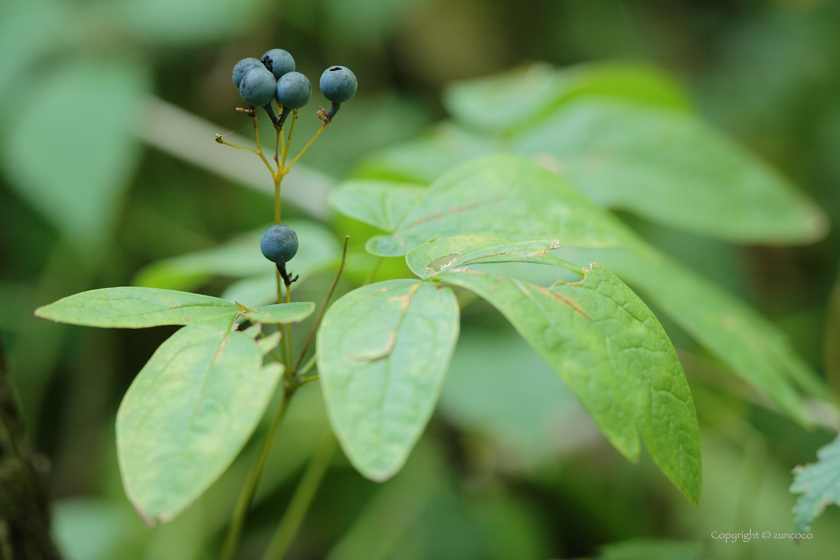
[[134, 308], [613, 353], [819, 484], [383, 351], [188, 414], [293, 312], [485, 103], [735, 333], [673, 169], [432, 258], [505, 196], [425, 159], [382, 204]]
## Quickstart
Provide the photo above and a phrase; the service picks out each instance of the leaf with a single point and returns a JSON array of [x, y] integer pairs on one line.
[[613, 353], [73, 166], [134, 308], [735, 333], [188, 414], [383, 351], [673, 169], [293, 312], [520, 98], [432, 258], [425, 159], [505, 196], [819, 484], [650, 549], [382, 204]]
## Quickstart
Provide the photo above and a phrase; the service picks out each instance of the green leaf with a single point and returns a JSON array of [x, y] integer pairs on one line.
[[74, 167], [734, 332], [673, 169], [432, 258], [819, 484], [134, 308], [524, 96], [293, 312], [650, 549], [613, 353], [188, 414], [382, 204], [505, 196], [383, 351], [425, 159]]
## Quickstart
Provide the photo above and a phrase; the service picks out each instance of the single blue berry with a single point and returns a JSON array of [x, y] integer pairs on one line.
[[293, 90], [278, 62], [279, 244], [338, 84], [243, 67], [257, 87]]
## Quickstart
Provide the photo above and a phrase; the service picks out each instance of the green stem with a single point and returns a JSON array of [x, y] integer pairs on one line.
[[302, 498], [373, 271], [323, 307], [247, 495]]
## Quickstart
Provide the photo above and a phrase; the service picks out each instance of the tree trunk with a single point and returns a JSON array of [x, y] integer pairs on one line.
[[24, 503]]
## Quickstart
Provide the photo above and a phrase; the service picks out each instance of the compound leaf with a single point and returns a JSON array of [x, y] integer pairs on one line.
[[383, 351], [673, 169], [819, 484], [506, 196], [485, 103], [432, 258], [382, 204], [740, 337], [188, 414], [613, 353]]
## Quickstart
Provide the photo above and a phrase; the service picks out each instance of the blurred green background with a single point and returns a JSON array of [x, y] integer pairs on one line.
[[102, 174]]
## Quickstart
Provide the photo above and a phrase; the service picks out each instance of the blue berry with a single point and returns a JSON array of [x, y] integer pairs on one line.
[[279, 244], [243, 67], [293, 90], [278, 62], [338, 84], [257, 87]]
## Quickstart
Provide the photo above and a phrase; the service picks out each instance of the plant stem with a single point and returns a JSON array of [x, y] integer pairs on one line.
[[373, 271], [302, 498], [320, 130], [288, 335], [259, 149], [247, 495], [289, 141], [323, 307]]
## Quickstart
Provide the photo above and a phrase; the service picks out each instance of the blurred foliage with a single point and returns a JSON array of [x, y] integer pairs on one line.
[[501, 473]]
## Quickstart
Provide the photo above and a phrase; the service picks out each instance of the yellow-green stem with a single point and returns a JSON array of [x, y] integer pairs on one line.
[[247, 495], [303, 151], [302, 498]]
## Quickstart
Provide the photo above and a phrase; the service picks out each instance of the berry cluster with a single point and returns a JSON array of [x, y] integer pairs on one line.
[[273, 77]]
